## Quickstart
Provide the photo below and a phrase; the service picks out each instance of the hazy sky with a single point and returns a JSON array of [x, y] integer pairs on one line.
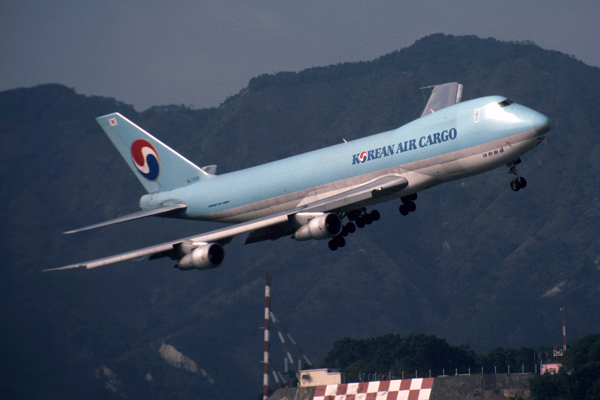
[[197, 53]]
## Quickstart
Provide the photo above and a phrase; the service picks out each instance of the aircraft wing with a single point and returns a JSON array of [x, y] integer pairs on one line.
[[130, 217], [443, 96], [163, 249], [380, 187]]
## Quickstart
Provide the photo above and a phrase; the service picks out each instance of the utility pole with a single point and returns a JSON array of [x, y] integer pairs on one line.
[[564, 331], [266, 355]]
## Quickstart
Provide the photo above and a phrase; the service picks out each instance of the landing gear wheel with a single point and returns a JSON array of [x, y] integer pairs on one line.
[[360, 222], [340, 241], [344, 232], [375, 215], [411, 206], [514, 185], [368, 219], [354, 215], [403, 209], [333, 246], [350, 227], [519, 182]]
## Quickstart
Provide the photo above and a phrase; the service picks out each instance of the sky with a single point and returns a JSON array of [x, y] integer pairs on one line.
[[198, 53]]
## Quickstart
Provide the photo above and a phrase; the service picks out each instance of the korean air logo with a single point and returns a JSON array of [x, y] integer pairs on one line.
[[145, 157], [362, 158]]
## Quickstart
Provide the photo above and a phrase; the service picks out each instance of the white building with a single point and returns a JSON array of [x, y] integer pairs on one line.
[[317, 377]]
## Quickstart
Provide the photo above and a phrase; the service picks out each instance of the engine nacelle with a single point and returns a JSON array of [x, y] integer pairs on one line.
[[324, 226], [207, 256]]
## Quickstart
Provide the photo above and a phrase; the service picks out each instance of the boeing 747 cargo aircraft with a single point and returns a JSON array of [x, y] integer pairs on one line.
[[309, 196]]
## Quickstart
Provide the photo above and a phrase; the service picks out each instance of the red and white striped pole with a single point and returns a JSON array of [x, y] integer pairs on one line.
[[266, 355], [564, 331]]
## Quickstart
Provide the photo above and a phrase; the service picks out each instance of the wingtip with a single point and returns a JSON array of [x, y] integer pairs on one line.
[[73, 266]]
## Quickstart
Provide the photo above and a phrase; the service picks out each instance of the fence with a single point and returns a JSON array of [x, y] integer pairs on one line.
[[366, 377]]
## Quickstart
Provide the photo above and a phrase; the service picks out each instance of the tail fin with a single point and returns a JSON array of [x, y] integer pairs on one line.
[[158, 167], [442, 96]]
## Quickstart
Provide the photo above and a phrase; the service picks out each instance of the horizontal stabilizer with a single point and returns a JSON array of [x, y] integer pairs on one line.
[[443, 96], [210, 169], [130, 217]]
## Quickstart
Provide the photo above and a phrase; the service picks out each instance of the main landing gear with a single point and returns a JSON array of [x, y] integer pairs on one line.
[[519, 182], [408, 204], [358, 218]]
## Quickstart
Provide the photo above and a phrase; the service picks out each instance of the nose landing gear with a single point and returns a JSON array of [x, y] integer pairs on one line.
[[519, 182]]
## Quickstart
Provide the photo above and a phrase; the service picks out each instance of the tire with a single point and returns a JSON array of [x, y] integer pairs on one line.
[[403, 209], [350, 227], [333, 246], [411, 206], [340, 241], [360, 222], [375, 215], [514, 185], [368, 219], [522, 182]]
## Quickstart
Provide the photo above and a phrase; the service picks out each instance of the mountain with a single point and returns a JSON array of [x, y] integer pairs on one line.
[[476, 264]]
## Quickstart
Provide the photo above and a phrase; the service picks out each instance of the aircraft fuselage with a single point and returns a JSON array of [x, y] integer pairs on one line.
[[455, 142]]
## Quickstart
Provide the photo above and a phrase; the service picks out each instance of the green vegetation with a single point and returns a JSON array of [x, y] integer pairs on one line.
[[579, 379], [398, 356]]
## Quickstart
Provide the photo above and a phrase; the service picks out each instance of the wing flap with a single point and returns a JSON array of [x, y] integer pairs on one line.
[[272, 232]]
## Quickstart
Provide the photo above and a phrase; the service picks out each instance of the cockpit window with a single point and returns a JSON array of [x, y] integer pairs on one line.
[[505, 103]]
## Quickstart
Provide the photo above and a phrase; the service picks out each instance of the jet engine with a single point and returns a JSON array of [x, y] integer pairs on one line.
[[206, 256], [323, 226]]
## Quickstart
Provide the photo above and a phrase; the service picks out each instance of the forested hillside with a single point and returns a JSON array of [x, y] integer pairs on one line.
[[476, 263]]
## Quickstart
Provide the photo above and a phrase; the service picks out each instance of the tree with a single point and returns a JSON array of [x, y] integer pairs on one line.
[[578, 379], [394, 354]]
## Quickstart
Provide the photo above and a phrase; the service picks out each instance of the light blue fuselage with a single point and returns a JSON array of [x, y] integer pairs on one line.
[[458, 141]]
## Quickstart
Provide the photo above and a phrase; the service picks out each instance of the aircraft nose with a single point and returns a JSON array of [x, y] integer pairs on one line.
[[541, 124]]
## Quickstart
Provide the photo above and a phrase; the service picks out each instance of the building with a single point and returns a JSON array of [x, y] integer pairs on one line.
[[318, 377]]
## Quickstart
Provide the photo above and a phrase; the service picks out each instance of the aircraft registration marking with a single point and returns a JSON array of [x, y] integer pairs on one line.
[[218, 204], [493, 153]]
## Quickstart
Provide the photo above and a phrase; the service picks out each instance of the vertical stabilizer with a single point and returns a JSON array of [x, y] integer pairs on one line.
[[158, 167], [443, 96]]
